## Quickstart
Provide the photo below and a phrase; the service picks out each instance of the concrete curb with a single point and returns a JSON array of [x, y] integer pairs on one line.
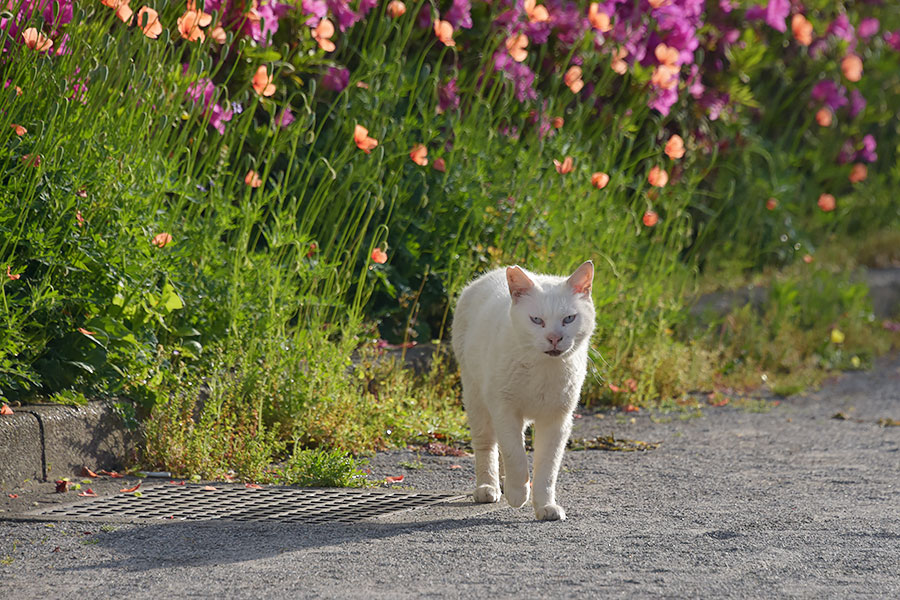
[[44, 442]]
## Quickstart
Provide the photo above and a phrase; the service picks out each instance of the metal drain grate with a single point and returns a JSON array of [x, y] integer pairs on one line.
[[239, 503]]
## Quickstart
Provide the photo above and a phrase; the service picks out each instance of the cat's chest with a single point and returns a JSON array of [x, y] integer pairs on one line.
[[536, 387]]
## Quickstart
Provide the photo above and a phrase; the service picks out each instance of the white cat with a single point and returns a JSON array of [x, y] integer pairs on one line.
[[521, 341]]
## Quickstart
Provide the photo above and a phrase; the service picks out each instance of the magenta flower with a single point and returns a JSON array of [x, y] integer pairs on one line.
[[203, 91], [775, 14], [714, 102], [519, 73], [336, 79], [892, 38], [366, 6], [868, 27], [344, 15], [663, 99], [830, 94], [846, 153], [841, 28], [316, 9], [460, 14], [857, 103], [867, 152], [448, 99], [693, 84], [270, 12], [285, 117], [218, 117]]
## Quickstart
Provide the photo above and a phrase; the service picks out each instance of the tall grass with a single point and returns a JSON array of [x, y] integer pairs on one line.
[[222, 280]]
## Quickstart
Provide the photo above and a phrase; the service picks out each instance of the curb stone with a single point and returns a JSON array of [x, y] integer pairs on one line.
[[20, 448], [44, 442]]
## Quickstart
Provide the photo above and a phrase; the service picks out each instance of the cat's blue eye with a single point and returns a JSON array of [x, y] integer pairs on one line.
[[537, 321], [569, 319]]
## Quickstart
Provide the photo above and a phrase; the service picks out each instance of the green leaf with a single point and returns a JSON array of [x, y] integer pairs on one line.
[[170, 300]]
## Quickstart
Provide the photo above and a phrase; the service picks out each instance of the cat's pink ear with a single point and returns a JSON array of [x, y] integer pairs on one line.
[[580, 281], [519, 283]]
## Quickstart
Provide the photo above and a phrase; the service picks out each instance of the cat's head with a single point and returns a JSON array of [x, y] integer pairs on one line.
[[552, 315]]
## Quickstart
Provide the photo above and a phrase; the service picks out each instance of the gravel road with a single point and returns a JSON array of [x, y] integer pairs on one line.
[[749, 500]]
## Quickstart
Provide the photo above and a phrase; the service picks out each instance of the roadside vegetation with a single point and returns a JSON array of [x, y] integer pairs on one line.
[[229, 218]]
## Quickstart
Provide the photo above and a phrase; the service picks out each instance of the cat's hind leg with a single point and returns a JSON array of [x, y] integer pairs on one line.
[[484, 443]]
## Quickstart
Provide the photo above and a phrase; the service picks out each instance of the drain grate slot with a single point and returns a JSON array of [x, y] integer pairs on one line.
[[238, 503]]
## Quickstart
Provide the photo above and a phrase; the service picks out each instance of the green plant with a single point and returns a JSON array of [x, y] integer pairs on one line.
[[322, 468]]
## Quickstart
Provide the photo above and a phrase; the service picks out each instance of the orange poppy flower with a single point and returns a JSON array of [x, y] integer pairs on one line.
[[657, 177], [573, 80], [418, 154], [599, 180], [123, 10], [396, 9], [516, 45], [439, 165], [858, 172], [160, 240], [536, 14], [675, 147], [666, 55], [322, 34], [379, 256], [218, 35], [826, 202], [20, 131], [599, 20], [444, 32], [557, 122], [650, 218], [852, 67], [771, 204], [802, 29], [190, 22], [252, 179], [262, 82], [823, 117], [566, 166], [152, 28], [665, 76], [36, 41], [362, 139], [12, 276], [618, 63]]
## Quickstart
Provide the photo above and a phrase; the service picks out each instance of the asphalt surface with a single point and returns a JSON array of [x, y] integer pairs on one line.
[[750, 500]]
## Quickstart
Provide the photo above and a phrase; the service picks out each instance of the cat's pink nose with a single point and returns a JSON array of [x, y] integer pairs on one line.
[[554, 339]]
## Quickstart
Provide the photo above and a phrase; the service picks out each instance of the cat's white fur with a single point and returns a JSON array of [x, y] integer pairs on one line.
[[523, 360]]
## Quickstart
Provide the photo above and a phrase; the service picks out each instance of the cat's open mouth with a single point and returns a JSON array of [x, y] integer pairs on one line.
[[553, 352]]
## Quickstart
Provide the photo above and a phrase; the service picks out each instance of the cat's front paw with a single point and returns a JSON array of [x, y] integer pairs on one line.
[[517, 495], [550, 512], [486, 493]]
